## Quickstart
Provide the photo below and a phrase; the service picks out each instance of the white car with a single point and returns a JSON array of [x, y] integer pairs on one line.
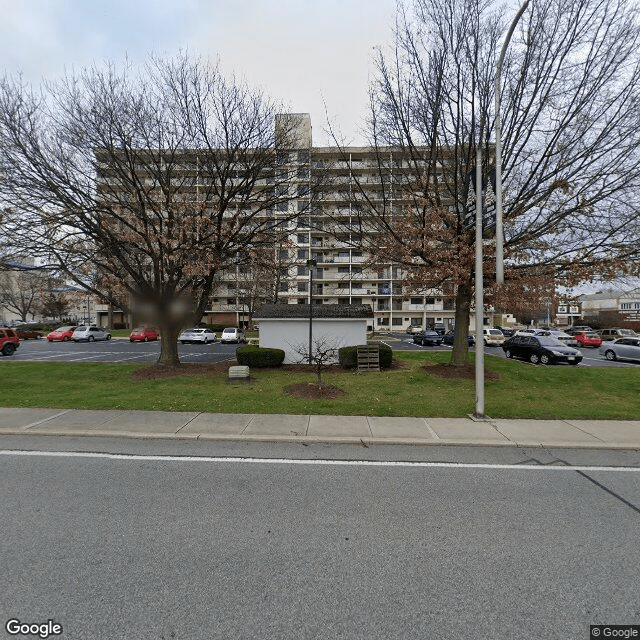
[[570, 341], [197, 334], [492, 337], [90, 333], [232, 334]]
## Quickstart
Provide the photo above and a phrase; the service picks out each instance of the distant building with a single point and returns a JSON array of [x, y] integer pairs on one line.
[[620, 303]]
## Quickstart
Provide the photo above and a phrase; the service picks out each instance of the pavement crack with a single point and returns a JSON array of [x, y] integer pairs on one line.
[[609, 491]]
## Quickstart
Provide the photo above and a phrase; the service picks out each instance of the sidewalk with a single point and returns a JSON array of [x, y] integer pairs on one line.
[[596, 434]]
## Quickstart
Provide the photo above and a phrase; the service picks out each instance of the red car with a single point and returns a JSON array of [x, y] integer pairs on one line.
[[588, 339], [61, 334], [9, 341], [143, 335]]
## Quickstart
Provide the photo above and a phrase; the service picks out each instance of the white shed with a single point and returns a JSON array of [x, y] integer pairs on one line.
[[286, 327]]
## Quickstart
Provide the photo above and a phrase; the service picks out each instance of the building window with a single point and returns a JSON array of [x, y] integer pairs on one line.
[[303, 287], [302, 301], [396, 322], [383, 322], [303, 271], [343, 285], [429, 300], [356, 300], [303, 239], [303, 254], [625, 305], [343, 269], [231, 301], [416, 300], [562, 309]]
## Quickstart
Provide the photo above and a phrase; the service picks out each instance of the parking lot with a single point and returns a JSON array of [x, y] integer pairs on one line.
[[117, 350], [122, 351], [591, 357]]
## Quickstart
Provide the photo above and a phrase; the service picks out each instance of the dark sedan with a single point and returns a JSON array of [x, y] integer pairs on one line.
[[447, 338], [428, 338], [540, 349]]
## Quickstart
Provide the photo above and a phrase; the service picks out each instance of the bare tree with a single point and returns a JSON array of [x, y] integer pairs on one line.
[[571, 110], [22, 291], [324, 353], [141, 186]]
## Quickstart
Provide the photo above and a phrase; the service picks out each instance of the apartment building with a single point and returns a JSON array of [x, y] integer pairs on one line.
[[324, 262], [320, 258]]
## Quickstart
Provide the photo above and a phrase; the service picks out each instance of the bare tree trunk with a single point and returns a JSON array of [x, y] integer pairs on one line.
[[169, 345], [460, 353]]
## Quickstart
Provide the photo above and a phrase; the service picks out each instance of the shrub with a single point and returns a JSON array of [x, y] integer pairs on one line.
[[119, 325], [259, 357], [348, 357]]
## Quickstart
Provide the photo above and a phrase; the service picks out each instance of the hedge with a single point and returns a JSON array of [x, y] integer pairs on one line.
[[348, 357], [259, 357]]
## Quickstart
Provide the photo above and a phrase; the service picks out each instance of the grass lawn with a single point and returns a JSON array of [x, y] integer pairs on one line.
[[523, 390]]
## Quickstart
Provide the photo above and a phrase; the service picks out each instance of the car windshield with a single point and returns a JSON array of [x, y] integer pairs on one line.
[[627, 332], [81, 328], [229, 331], [64, 328], [139, 330]]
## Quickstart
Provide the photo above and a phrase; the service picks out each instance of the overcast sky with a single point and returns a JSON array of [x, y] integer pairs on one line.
[[305, 53]]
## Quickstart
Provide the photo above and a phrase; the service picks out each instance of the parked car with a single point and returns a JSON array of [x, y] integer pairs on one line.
[[25, 333], [232, 334], [61, 334], [507, 333], [543, 349], [9, 341], [589, 339], [428, 338], [90, 332], [570, 341], [528, 331], [143, 334], [197, 334], [622, 349], [492, 337], [579, 328], [414, 328], [614, 334], [447, 338], [439, 329]]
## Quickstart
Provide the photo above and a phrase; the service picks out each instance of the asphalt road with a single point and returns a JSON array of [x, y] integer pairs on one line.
[[121, 351], [124, 351], [591, 357], [256, 542]]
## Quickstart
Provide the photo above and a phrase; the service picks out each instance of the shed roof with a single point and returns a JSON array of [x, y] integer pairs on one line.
[[338, 311]]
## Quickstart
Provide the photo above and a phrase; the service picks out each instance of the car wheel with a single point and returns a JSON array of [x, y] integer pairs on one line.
[[544, 358], [146, 338], [534, 359], [574, 363], [183, 342], [507, 353], [108, 336], [90, 339], [609, 354], [206, 340], [65, 339], [8, 349]]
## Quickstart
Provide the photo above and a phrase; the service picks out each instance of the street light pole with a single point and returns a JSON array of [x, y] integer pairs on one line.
[[479, 282], [499, 225]]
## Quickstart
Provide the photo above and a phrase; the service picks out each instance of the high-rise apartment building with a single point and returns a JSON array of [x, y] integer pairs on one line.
[[326, 188], [320, 256]]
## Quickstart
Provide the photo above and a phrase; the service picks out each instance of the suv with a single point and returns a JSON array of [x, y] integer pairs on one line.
[[492, 337], [414, 328], [9, 341], [232, 334], [90, 333], [614, 334]]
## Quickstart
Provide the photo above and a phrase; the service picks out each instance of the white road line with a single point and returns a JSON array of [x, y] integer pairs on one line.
[[318, 462]]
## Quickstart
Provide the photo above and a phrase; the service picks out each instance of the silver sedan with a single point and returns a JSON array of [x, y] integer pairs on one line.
[[621, 349]]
